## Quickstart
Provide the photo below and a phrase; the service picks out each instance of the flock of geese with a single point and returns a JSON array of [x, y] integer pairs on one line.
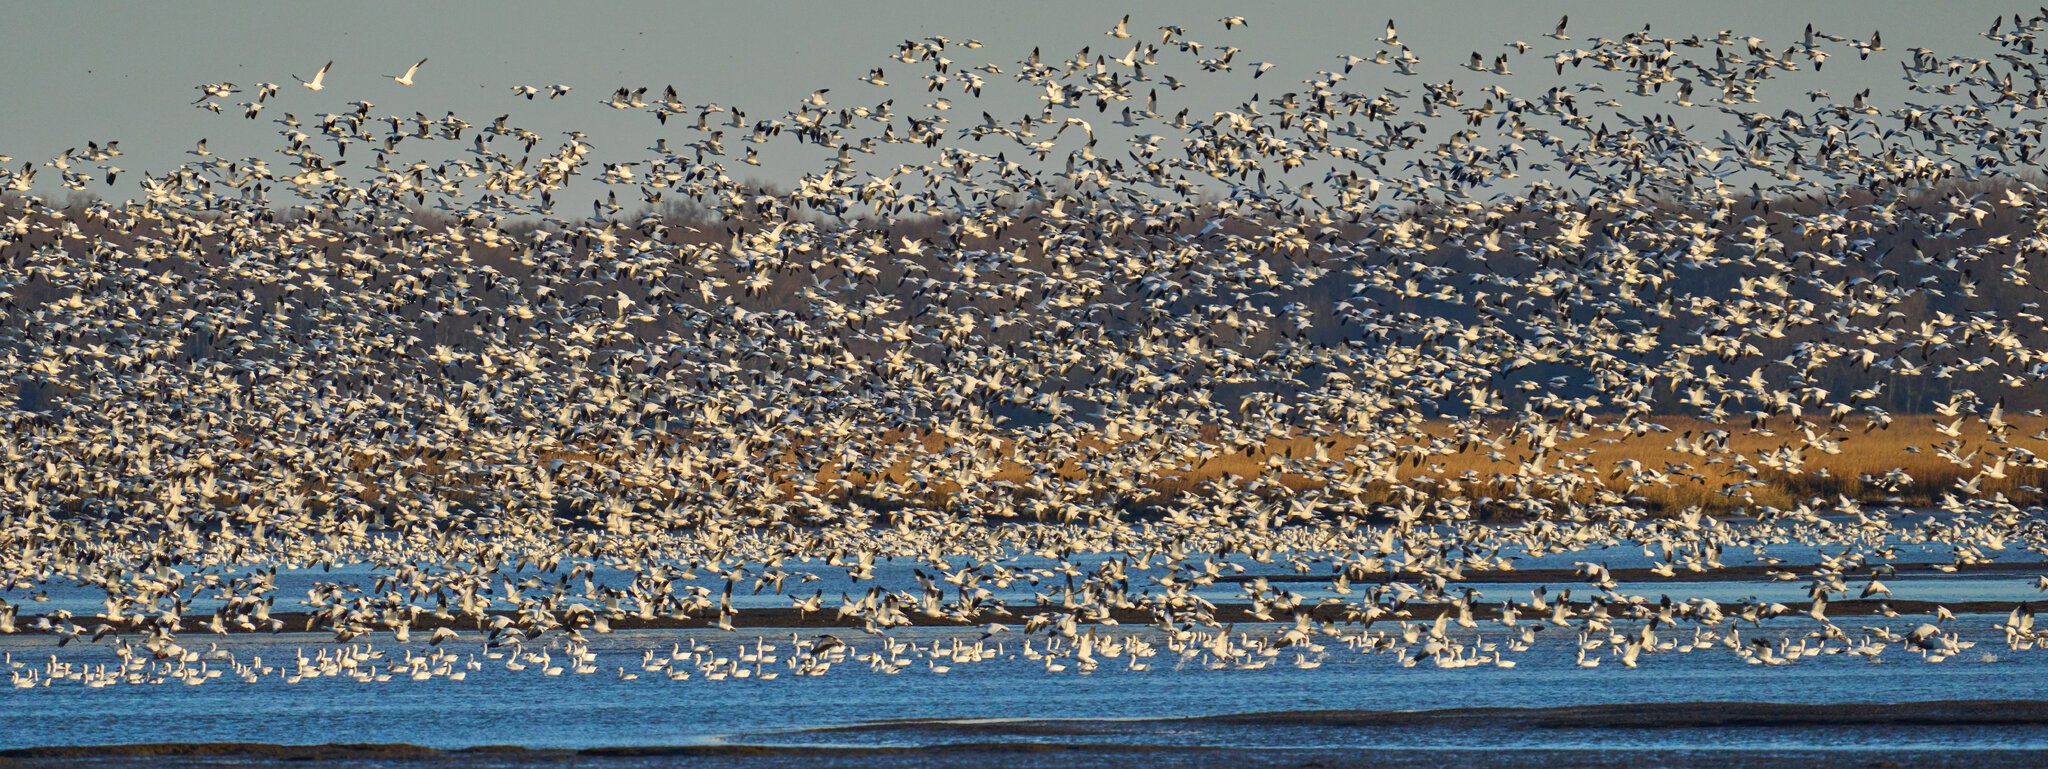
[[1071, 368], [1304, 645]]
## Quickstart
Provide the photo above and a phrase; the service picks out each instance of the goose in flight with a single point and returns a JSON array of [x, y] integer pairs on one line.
[[319, 78], [215, 90], [1559, 34], [405, 79]]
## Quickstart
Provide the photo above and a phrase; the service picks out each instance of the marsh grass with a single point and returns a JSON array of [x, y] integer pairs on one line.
[[1664, 464]]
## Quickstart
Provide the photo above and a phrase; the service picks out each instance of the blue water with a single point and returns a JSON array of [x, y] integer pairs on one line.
[[2015, 585], [494, 705], [498, 706]]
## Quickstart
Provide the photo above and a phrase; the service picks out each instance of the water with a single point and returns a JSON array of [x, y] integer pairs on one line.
[[1012, 702], [2015, 584], [496, 706]]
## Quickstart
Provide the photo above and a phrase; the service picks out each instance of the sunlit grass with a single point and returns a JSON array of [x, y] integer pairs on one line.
[[1662, 464]]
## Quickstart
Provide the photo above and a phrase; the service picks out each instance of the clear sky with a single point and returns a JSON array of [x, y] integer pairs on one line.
[[82, 71]]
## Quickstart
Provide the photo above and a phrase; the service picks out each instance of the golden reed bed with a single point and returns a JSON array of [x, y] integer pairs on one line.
[[1679, 463]]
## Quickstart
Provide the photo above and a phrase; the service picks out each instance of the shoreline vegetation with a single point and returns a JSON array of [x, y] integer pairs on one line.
[[1664, 465]]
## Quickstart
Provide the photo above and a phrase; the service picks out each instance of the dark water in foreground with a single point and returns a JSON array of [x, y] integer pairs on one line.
[[1955, 734]]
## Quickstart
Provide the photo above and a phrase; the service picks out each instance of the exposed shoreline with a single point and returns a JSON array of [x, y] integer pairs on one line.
[[1225, 613]]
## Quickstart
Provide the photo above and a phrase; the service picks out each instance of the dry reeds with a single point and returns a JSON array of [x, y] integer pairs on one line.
[[1660, 464]]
